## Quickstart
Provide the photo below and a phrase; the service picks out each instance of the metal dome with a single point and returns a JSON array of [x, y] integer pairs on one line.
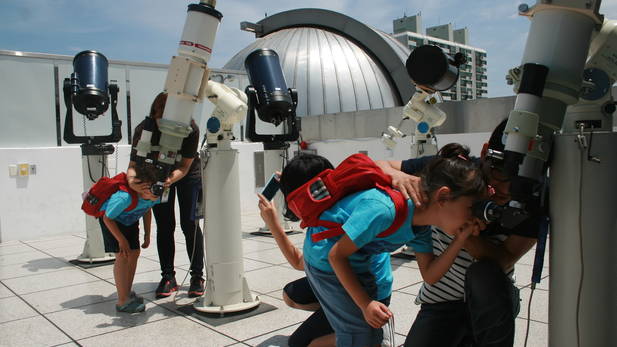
[[331, 70]]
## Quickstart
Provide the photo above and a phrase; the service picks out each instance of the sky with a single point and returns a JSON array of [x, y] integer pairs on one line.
[[148, 30]]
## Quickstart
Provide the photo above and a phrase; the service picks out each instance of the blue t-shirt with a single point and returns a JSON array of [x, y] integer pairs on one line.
[[382, 270], [363, 216], [116, 204]]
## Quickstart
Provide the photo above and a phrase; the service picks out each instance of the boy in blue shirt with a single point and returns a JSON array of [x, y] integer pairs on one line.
[[338, 268], [121, 235], [316, 330]]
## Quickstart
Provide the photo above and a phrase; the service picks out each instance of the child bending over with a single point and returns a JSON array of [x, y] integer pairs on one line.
[[121, 235], [338, 268]]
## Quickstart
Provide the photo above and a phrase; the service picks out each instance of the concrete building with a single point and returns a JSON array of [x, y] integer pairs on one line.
[[472, 83]]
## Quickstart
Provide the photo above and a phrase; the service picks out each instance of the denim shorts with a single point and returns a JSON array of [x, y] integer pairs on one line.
[[342, 312]]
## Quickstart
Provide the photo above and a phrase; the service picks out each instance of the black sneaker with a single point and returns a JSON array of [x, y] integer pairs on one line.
[[197, 287], [166, 287]]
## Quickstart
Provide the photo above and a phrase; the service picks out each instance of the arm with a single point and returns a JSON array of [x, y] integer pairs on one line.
[[123, 244], [433, 268], [189, 151], [269, 215], [175, 176], [180, 172], [506, 254], [407, 184], [375, 313], [147, 228]]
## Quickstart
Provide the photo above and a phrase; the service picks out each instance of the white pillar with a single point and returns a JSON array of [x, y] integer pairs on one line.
[[226, 286], [94, 249]]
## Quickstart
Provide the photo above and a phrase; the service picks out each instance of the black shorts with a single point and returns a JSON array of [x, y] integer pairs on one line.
[[300, 291], [130, 232]]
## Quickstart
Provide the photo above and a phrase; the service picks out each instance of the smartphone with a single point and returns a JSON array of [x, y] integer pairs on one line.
[[271, 187]]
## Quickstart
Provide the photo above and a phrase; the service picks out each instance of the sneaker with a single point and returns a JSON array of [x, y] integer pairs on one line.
[[131, 306], [136, 297], [197, 287], [166, 287]]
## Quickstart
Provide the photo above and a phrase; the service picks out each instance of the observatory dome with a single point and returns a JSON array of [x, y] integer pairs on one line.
[[332, 62]]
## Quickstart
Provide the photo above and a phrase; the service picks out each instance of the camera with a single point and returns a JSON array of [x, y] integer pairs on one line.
[[508, 216], [157, 188], [487, 210]]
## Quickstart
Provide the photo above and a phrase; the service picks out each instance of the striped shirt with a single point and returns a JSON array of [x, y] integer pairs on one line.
[[451, 287]]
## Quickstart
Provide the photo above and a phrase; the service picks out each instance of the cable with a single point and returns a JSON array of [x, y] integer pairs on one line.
[[104, 168], [87, 157], [392, 332], [90, 170], [116, 164], [580, 231], [533, 287], [195, 225]]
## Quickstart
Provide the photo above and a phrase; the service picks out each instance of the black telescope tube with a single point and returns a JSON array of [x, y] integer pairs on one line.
[[274, 102], [429, 66], [89, 83]]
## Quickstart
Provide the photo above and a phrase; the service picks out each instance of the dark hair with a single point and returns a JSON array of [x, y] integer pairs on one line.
[[454, 169], [158, 105], [495, 140], [146, 172], [301, 169]]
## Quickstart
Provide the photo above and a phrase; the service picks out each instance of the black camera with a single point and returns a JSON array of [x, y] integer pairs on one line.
[[507, 216], [157, 188]]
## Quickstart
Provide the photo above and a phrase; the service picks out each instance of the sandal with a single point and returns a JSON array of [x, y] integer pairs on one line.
[[132, 306]]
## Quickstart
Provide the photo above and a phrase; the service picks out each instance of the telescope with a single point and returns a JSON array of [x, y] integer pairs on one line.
[[89, 92], [269, 96]]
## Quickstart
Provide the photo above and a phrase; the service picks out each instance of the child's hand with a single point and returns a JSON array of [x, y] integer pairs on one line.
[[267, 210], [376, 314], [146, 243], [471, 227], [148, 195], [124, 246], [138, 186]]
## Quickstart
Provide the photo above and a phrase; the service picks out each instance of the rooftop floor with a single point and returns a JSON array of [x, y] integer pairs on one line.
[[47, 301]]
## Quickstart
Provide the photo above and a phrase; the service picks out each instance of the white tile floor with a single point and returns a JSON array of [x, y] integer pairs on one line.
[[46, 301]]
